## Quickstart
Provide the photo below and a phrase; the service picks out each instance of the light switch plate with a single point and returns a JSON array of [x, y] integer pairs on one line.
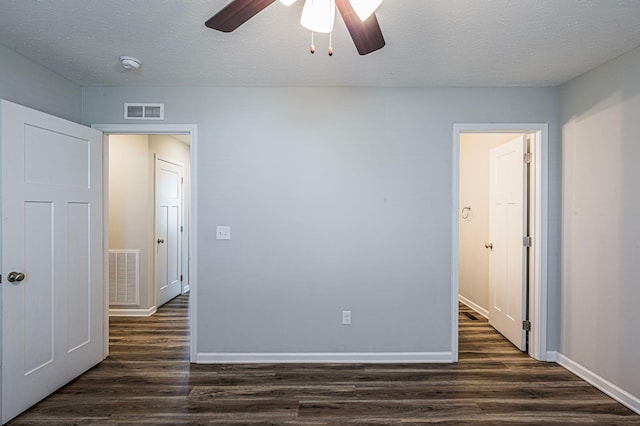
[[223, 232]]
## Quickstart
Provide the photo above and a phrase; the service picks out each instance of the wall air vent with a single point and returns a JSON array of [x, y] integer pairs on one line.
[[143, 111], [124, 273]]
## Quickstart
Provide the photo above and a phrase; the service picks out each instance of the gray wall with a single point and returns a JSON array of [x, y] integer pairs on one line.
[[338, 199], [601, 227], [24, 82]]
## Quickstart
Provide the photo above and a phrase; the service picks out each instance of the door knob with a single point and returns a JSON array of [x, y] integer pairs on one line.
[[160, 241], [489, 246], [15, 277]]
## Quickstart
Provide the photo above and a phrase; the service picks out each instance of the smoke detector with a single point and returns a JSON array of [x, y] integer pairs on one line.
[[130, 63]]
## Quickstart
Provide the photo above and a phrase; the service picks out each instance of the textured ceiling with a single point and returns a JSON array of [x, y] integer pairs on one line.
[[429, 43]]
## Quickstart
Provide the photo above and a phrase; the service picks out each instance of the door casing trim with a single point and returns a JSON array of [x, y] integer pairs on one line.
[[538, 210], [158, 129]]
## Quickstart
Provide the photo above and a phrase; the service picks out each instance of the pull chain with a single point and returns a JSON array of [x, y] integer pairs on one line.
[[312, 49], [330, 50]]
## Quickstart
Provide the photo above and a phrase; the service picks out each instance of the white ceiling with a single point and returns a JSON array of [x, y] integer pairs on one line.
[[429, 43]]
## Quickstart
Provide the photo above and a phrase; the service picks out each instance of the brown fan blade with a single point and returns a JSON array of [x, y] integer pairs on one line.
[[235, 14], [367, 35]]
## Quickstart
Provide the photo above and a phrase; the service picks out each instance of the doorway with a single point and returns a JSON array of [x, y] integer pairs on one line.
[[472, 249], [492, 259], [176, 143], [148, 230]]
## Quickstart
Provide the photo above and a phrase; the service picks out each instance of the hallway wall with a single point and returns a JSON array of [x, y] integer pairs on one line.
[[130, 207]]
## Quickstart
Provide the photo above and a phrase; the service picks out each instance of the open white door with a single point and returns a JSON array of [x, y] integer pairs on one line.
[[52, 294], [507, 219], [168, 259]]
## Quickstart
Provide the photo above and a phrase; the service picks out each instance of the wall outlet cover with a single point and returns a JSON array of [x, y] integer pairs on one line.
[[223, 232]]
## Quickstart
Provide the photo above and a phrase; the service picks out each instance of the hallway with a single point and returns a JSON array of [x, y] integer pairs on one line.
[[148, 380]]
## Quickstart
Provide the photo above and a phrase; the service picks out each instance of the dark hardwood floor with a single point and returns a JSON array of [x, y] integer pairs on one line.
[[148, 380]]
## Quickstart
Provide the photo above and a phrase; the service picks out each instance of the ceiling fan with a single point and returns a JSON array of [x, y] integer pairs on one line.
[[358, 16]]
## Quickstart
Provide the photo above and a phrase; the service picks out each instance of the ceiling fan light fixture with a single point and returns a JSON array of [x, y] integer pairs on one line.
[[365, 8], [288, 2], [319, 15]]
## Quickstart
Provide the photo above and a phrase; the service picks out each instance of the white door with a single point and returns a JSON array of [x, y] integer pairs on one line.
[[52, 294], [168, 259], [507, 269]]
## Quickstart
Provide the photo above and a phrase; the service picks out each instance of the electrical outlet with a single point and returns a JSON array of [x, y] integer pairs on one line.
[[346, 317], [223, 232]]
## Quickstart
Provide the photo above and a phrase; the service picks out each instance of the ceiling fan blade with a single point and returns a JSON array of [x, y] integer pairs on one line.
[[367, 35], [235, 14]]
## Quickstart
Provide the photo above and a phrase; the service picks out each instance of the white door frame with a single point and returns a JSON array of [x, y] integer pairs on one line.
[[538, 210], [157, 129]]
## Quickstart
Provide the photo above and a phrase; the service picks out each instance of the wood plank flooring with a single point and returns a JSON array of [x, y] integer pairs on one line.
[[148, 380]]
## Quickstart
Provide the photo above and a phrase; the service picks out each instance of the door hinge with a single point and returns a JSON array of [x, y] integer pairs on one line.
[[526, 325], [180, 278], [181, 228], [0, 278], [181, 180], [527, 157], [526, 241]]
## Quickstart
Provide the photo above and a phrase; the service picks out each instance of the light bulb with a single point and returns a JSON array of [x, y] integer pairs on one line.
[[319, 15], [365, 8]]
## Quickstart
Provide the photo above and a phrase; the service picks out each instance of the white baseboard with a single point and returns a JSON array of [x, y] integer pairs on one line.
[[132, 312], [323, 357], [479, 309], [620, 395], [552, 356], [186, 289]]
